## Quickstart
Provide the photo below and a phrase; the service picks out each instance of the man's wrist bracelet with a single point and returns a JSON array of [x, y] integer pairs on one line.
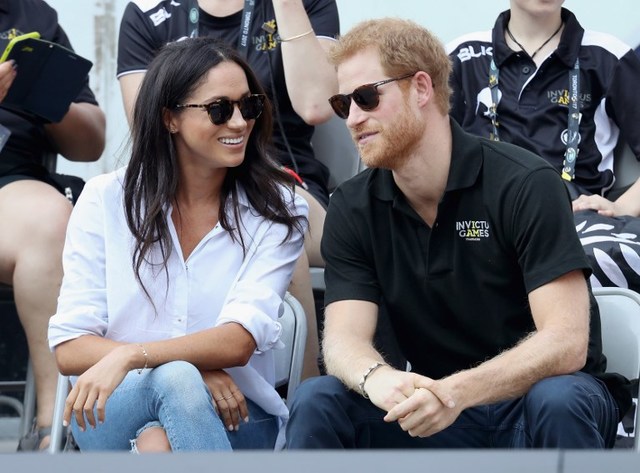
[[366, 374]]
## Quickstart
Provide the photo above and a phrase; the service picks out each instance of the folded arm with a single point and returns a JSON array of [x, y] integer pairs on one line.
[[349, 353], [558, 346]]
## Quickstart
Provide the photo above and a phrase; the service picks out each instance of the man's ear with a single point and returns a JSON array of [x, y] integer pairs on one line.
[[424, 87]]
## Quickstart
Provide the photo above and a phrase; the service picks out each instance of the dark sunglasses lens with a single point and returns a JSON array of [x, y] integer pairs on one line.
[[366, 97], [251, 106], [220, 111], [340, 104]]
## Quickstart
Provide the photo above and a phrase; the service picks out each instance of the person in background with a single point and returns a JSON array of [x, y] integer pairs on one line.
[[540, 81], [176, 266], [33, 209], [449, 233], [285, 42]]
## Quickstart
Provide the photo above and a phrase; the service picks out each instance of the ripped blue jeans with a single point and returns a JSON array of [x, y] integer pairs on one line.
[[175, 397]]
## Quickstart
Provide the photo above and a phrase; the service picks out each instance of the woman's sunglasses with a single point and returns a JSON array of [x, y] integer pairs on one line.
[[220, 111], [366, 97]]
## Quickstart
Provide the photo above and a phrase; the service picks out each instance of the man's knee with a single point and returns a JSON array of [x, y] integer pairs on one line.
[[557, 395], [321, 415], [569, 399], [570, 411], [318, 394]]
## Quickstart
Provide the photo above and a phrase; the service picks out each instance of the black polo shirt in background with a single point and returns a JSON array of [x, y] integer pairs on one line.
[[148, 25], [23, 152], [533, 107], [456, 293]]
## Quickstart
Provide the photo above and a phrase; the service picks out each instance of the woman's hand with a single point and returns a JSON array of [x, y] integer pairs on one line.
[[7, 74], [94, 386], [227, 398]]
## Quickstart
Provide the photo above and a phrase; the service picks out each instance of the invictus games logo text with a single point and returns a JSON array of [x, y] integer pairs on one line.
[[561, 97], [473, 230]]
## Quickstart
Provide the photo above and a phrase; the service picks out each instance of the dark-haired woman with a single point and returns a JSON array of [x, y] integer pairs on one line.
[[176, 266], [285, 42]]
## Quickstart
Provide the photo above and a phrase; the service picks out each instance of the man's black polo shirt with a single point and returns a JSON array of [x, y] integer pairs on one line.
[[456, 293]]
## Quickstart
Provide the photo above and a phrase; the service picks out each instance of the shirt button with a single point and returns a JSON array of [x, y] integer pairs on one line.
[[526, 70]]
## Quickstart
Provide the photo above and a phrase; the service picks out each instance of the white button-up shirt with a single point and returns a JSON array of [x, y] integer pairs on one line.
[[217, 284]]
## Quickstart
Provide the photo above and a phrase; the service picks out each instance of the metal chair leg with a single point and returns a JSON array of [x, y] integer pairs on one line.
[[29, 402], [57, 430]]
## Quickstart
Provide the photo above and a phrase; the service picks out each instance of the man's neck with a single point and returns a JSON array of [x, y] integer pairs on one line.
[[221, 8], [532, 30], [538, 35], [423, 177]]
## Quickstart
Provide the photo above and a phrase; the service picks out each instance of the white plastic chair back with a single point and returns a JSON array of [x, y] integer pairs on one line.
[[620, 320]]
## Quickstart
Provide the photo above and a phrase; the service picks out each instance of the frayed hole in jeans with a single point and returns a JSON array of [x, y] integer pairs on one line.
[[134, 442], [134, 446]]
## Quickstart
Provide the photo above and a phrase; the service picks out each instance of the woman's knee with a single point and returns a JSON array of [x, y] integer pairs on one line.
[[179, 380]]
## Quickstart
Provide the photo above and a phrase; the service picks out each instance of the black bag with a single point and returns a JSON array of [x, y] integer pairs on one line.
[[625, 437]]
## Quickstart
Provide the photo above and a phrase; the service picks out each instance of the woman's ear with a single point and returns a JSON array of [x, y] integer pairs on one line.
[[169, 121]]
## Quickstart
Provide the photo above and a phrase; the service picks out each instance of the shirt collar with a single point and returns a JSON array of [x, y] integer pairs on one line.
[[466, 162], [567, 50], [466, 159], [243, 199]]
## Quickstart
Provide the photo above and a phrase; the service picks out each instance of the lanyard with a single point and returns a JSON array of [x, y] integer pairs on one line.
[[245, 25], [573, 118], [494, 73], [573, 138], [194, 17]]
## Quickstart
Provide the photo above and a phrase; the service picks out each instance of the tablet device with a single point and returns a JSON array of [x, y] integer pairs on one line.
[[49, 77]]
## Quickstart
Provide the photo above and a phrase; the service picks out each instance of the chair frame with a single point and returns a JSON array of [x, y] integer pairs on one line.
[[291, 360], [334, 147], [627, 363], [25, 408]]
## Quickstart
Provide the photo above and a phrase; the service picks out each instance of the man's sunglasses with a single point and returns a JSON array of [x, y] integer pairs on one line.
[[220, 111], [366, 97]]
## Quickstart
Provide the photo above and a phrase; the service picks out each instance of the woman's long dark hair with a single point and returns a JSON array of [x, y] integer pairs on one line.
[[151, 178]]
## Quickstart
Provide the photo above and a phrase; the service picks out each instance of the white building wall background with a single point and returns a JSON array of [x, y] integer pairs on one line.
[[92, 26]]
